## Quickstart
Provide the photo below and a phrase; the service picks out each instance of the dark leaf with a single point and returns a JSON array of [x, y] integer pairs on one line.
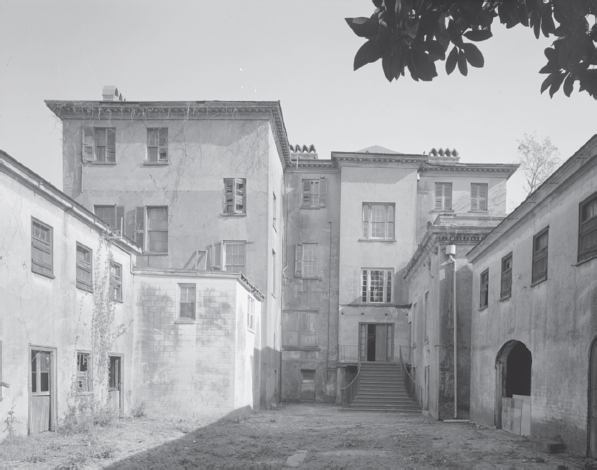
[[425, 67], [451, 61], [536, 24], [462, 63], [455, 33], [547, 25], [369, 52], [478, 34], [552, 66], [436, 51], [377, 3], [412, 27], [364, 27], [484, 18], [522, 15], [547, 82], [473, 55], [568, 85], [550, 53], [557, 82], [386, 63], [411, 66]]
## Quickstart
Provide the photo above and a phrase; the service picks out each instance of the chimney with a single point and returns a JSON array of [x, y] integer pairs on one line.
[[110, 93], [304, 153]]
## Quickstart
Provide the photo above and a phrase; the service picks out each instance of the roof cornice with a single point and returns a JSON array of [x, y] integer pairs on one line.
[[503, 168], [374, 158], [176, 110]]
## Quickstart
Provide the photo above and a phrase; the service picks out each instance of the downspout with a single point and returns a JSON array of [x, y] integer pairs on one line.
[[451, 252], [327, 359]]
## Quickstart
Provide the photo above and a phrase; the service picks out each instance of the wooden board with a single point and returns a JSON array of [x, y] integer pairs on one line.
[[511, 415], [114, 400], [40, 413]]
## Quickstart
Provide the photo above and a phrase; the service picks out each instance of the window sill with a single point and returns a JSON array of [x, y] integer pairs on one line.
[[478, 212], [156, 163], [540, 281], [377, 240], [301, 348], [149, 253], [48, 276], [504, 298], [310, 208], [185, 321], [232, 214], [310, 278], [120, 301], [84, 288], [483, 308], [102, 163], [373, 304], [577, 264], [443, 211]]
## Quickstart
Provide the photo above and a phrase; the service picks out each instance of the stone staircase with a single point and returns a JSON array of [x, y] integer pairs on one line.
[[381, 388]]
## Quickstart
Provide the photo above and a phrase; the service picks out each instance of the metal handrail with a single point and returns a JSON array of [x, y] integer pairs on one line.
[[349, 391], [414, 390]]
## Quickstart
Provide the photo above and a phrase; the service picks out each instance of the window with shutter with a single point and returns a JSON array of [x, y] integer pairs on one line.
[[157, 145], [235, 196], [540, 245], [443, 196], [587, 233], [315, 193], [478, 196], [506, 284], [484, 294], [87, 135], [84, 268], [112, 215], [105, 145], [116, 281], [42, 260]]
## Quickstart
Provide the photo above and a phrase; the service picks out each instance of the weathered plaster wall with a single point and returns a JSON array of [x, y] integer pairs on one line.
[[192, 368], [51, 312], [321, 226], [555, 319]]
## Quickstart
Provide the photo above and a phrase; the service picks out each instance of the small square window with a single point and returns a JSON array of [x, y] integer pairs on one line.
[[84, 268], [187, 300]]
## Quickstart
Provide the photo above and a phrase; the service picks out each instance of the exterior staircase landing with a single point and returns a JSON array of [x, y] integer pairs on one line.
[[381, 388]]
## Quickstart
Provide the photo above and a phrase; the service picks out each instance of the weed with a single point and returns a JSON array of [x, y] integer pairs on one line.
[[84, 416], [11, 424], [139, 411]]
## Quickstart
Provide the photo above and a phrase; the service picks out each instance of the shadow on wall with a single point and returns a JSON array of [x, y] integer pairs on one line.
[[190, 450]]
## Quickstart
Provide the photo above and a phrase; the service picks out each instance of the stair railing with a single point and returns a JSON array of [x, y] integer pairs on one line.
[[349, 391], [414, 390]]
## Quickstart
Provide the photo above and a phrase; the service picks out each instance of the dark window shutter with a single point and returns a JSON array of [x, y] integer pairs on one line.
[[140, 226], [438, 196], [323, 192], [448, 196], [111, 145], [306, 193], [474, 197], [163, 144], [483, 197], [87, 136]]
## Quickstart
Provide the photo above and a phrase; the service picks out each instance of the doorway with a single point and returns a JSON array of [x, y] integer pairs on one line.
[[41, 390], [376, 342], [115, 401], [593, 401]]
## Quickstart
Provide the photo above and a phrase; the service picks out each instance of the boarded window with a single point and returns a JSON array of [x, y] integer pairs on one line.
[[314, 193], [299, 329], [478, 196], [157, 229], [84, 268], [187, 300], [235, 256], [84, 372], [443, 196], [305, 260], [157, 145], [376, 285], [540, 242], [378, 221], [42, 261], [587, 242], [484, 294], [116, 281], [235, 196], [506, 285], [112, 215]]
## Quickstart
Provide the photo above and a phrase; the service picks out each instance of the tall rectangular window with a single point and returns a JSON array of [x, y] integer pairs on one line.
[[112, 215], [187, 300], [84, 372], [84, 268], [314, 193], [42, 261], [376, 286], [274, 273], [378, 221], [105, 145], [274, 209], [235, 195], [587, 233], [250, 313], [478, 197], [235, 256], [540, 242], [484, 294], [299, 329], [157, 229], [116, 281], [305, 260], [443, 196], [157, 145], [506, 287]]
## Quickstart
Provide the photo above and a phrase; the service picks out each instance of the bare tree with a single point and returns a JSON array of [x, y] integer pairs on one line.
[[538, 160]]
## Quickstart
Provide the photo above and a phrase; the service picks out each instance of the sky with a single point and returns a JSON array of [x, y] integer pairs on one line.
[[298, 52]]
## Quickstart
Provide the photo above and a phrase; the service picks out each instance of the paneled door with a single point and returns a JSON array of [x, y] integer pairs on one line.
[[40, 417]]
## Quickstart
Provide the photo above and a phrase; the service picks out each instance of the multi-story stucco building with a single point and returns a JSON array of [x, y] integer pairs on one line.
[[534, 318]]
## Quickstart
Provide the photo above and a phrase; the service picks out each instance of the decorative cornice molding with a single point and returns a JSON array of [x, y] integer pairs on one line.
[[471, 168]]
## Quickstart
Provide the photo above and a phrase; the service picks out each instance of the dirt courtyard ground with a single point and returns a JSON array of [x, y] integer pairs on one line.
[[330, 437]]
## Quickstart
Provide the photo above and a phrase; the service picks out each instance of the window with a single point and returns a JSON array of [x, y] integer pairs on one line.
[[274, 208], [41, 248], [99, 145], [506, 289], [155, 231], [187, 300], [314, 193], [114, 373], [84, 372], [299, 329], [587, 242], [378, 221], [478, 196], [112, 215], [116, 281], [376, 286], [443, 196], [540, 256], [235, 196], [273, 273], [484, 295], [157, 145], [305, 260], [234, 257], [250, 313], [84, 265]]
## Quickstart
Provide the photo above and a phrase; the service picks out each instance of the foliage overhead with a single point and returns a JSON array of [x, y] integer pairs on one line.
[[415, 34], [538, 160]]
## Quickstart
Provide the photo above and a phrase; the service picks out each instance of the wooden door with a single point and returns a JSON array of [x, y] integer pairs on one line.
[[593, 402], [40, 391], [115, 384], [363, 342], [381, 344]]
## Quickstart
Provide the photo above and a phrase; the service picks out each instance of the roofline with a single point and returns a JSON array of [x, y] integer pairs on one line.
[[131, 110], [36, 183], [551, 184], [507, 168]]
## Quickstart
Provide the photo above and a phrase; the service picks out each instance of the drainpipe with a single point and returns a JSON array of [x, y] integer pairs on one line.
[[451, 252]]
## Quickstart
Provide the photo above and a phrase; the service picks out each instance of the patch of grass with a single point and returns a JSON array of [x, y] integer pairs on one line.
[[83, 417]]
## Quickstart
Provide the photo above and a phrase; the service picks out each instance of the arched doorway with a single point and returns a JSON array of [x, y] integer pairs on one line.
[[513, 387], [592, 431]]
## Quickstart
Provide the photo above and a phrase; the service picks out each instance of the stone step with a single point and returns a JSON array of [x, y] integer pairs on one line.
[[378, 409]]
